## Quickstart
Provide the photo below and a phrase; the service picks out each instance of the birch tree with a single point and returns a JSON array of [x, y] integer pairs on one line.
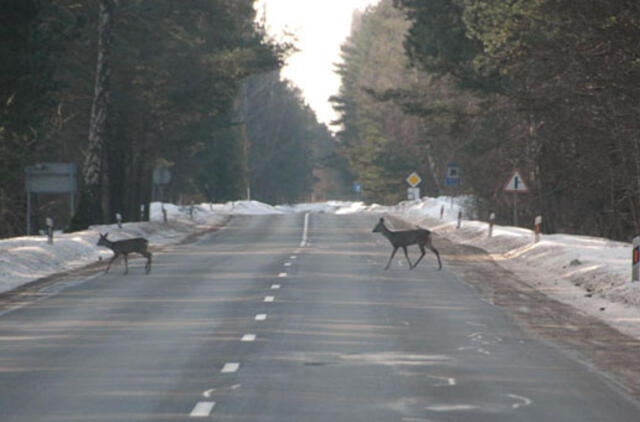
[[93, 198]]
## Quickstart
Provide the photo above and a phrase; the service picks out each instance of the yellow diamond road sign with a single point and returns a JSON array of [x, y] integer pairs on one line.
[[414, 180]]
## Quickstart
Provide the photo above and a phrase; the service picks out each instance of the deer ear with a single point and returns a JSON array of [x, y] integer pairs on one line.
[[381, 220]]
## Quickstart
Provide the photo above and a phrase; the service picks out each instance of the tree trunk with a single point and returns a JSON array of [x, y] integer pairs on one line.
[[93, 204]]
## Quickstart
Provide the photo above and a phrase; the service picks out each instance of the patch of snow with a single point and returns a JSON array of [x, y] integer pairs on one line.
[[588, 273]]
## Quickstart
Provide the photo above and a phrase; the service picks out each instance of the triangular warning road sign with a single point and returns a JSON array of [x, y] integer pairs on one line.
[[516, 184]]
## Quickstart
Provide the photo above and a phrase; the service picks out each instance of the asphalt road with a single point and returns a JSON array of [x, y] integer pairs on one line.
[[247, 325]]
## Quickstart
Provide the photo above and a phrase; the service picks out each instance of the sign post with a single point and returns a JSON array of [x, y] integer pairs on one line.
[[161, 178], [413, 192], [50, 230], [516, 185], [50, 178], [453, 175], [357, 189], [635, 260]]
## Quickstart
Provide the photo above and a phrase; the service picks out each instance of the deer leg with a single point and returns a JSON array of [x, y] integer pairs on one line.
[[115, 255], [395, 249], [147, 267], [126, 264], [407, 255], [423, 252], [435, 251]]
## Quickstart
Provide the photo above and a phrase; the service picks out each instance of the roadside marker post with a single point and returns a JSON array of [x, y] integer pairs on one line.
[[50, 230], [119, 219], [538, 224], [459, 219], [441, 212], [635, 260], [492, 219]]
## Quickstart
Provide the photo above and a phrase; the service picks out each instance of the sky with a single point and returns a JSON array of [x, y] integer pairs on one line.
[[320, 27]]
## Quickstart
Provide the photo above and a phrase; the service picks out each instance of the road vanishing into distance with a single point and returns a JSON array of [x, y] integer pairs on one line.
[[264, 321]]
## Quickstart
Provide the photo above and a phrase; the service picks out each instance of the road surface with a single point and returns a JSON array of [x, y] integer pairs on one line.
[[264, 321]]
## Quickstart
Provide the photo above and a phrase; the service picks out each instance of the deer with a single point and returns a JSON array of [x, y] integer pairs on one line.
[[124, 248], [404, 238]]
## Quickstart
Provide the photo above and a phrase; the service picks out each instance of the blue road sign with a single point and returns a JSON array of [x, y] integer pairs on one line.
[[453, 175]]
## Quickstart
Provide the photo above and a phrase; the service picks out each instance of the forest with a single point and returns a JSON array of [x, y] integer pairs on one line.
[[121, 88], [549, 87], [124, 88]]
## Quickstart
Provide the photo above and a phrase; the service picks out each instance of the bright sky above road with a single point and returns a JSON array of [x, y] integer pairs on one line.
[[320, 27]]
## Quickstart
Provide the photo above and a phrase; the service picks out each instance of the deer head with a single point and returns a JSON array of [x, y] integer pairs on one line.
[[379, 226], [103, 241]]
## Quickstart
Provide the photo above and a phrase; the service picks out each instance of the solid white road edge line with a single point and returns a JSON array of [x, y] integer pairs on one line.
[[202, 409]]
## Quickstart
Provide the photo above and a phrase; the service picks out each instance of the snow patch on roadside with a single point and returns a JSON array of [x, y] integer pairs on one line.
[[589, 273], [29, 258]]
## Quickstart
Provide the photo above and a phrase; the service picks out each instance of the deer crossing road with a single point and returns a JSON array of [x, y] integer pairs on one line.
[[341, 340]]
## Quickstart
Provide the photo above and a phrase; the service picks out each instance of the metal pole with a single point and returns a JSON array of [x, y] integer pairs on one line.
[[28, 213], [515, 209], [49, 221], [635, 258]]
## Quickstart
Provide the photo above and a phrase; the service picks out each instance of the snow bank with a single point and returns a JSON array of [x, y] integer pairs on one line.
[[591, 274], [28, 258]]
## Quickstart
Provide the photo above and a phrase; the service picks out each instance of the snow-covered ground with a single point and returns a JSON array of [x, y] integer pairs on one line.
[[591, 274]]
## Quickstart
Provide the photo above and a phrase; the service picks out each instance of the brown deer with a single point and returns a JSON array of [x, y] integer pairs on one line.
[[404, 238], [124, 248]]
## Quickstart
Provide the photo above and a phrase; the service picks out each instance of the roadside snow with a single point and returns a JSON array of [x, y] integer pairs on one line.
[[28, 258], [591, 274]]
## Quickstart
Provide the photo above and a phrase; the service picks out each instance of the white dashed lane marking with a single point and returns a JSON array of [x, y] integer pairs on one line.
[[202, 409], [269, 298], [249, 337], [275, 287], [305, 232], [230, 367], [261, 317], [287, 264], [293, 257], [282, 275]]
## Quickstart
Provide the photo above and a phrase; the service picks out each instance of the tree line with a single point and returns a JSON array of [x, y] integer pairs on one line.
[[546, 86], [121, 88]]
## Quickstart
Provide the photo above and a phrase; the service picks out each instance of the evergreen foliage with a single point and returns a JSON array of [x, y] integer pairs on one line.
[[176, 71], [547, 86]]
